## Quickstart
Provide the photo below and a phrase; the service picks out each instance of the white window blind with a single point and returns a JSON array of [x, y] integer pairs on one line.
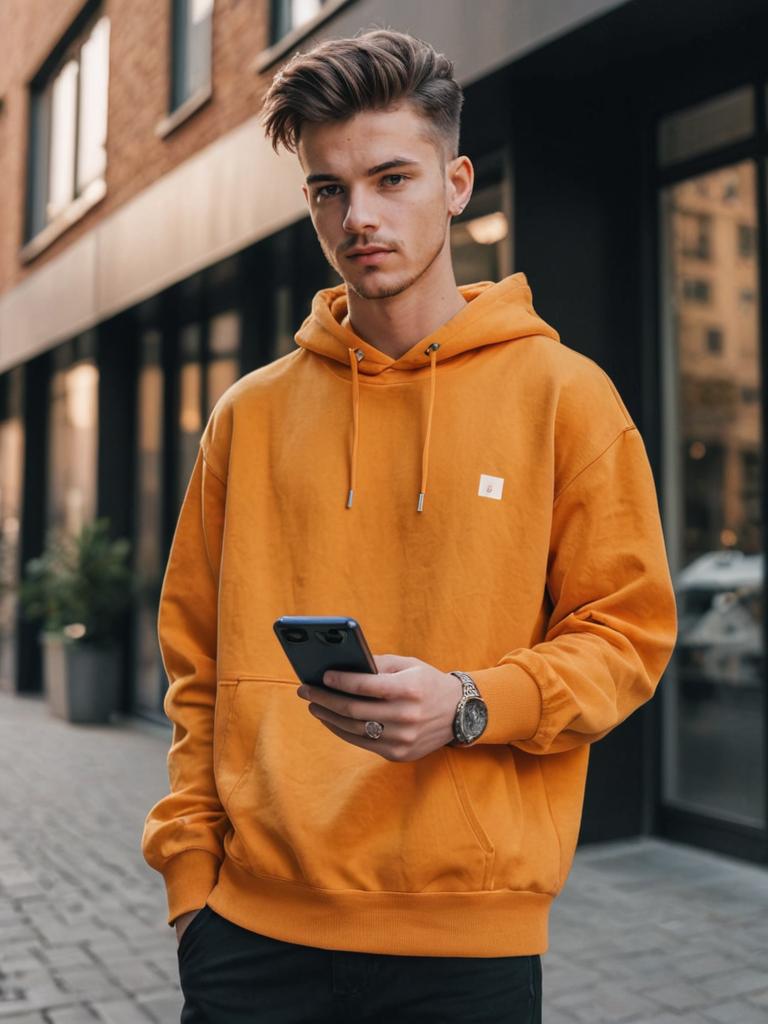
[[198, 44], [303, 10], [201, 9], [94, 95], [61, 179]]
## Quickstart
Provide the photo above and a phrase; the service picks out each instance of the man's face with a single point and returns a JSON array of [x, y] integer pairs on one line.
[[377, 180]]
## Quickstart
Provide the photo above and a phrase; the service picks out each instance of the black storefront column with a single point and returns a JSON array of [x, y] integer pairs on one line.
[[34, 503], [116, 358], [577, 225]]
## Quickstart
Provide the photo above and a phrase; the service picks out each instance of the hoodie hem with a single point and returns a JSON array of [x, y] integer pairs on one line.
[[473, 924]]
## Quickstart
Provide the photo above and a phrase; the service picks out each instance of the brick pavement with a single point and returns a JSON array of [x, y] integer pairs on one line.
[[646, 931]]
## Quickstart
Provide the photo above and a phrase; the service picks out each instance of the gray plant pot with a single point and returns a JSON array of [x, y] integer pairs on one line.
[[82, 682]]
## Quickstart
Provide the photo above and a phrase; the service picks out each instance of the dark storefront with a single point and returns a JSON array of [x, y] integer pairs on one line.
[[622, 168], [639, 145]]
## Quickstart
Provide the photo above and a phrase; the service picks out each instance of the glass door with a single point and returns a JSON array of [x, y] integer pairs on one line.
[[11, 474], [148, 510], [73, 435], [713, 739]]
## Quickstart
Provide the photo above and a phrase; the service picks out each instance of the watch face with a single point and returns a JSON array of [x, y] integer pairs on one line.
[[474, 718]]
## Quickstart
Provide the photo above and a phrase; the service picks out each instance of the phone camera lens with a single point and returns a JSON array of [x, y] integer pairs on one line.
[[332, 636], [295, 636]]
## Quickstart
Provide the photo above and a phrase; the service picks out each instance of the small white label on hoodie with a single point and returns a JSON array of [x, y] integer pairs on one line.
[[491, 486]]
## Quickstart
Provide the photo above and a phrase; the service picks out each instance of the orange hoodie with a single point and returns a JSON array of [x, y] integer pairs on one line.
[[551, 589]]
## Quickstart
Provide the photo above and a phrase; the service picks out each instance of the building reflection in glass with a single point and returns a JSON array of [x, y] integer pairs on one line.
[[72, 440], [11, 470], [714, 689], [148, 509]]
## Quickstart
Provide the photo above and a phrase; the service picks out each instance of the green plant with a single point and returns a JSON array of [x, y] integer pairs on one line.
[[8, 585], [7, 552], [80, 584]]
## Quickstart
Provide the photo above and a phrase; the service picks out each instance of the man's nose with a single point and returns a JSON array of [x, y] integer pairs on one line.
[[361, 216]]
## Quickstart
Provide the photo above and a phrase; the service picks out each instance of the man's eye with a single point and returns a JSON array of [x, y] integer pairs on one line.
[[399, 177], [323, 191]]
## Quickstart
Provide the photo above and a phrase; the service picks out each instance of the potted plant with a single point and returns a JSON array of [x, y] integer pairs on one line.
[[78, 588], [8, 588]]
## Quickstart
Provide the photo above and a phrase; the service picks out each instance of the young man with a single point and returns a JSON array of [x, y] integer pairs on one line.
[[434, 462]]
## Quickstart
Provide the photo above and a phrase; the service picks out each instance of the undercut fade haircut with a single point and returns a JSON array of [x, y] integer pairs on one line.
[[370, 71]]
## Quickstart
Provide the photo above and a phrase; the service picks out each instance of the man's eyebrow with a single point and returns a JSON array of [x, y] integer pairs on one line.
[[397, 161]]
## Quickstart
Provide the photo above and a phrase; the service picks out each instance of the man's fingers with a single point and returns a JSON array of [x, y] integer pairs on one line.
[[357, 741], [393, 662], [359, 684], [349, 726], [384, 684], [348, 706], [357, 708]]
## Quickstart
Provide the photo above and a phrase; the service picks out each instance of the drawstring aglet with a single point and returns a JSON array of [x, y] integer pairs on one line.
[[420, 506], [350, 496]]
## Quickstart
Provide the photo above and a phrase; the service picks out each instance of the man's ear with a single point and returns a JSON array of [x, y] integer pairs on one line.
[[305, 190], [461, 179]]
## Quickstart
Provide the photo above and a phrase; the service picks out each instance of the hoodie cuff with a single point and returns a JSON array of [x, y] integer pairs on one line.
[[189, 878], [514, 703]]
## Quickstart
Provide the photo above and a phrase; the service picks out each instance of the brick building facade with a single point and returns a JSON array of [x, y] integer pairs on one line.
[[140, 64]]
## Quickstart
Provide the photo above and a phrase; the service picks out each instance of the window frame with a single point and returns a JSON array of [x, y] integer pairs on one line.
[[671, 819], [181, 108], [277, 48], [39, 134]]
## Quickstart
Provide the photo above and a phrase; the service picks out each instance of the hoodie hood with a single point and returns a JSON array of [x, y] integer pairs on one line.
[[495, 313]]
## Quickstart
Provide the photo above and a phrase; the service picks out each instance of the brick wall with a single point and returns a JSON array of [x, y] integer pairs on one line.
[[139, 86]]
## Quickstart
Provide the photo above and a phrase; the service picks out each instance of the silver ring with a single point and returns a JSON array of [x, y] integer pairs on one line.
[[374, 729]]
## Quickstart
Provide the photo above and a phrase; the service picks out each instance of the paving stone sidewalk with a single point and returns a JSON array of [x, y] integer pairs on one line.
[[645, 932]]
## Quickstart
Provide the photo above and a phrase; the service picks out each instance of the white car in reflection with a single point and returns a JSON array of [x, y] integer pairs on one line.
[[720, 621]]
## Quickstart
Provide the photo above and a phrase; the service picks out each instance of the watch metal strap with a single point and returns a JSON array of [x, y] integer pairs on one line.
[[469, 690], [468, 684]]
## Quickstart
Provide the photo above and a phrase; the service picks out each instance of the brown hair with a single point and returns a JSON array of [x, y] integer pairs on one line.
[[373, 70]]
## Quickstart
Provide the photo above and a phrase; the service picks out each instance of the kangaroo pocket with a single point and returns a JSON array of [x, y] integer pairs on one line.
[[506, 790], [306, 806]]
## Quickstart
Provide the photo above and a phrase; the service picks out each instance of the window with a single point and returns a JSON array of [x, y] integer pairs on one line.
[[11, 483], [696, 290], [714, 339], [68, 133], [223, 365], [290, 14], [149, 675], [480, 237], [73, 434], [746, 241], [707, 126], [190, 413], [696, 235], [192, 35], [713, 739]]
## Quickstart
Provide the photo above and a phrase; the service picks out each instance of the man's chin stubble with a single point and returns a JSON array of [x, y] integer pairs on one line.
[[382, 291], [385, 291]]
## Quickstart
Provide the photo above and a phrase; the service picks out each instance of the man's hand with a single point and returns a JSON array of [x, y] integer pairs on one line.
[[414, 701], [183, 921]]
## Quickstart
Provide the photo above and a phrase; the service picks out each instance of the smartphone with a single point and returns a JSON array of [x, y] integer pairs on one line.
[[315, 643]]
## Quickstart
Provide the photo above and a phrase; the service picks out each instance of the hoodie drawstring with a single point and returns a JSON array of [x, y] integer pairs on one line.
[[355, 356], [432, 353]]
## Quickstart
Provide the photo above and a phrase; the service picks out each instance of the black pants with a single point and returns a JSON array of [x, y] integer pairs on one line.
[[230, 975]]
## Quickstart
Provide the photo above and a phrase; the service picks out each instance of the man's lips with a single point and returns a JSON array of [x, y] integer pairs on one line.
[[369, 255]]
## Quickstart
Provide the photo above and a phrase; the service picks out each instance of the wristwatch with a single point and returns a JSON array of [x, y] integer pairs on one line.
[[471, 713]]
